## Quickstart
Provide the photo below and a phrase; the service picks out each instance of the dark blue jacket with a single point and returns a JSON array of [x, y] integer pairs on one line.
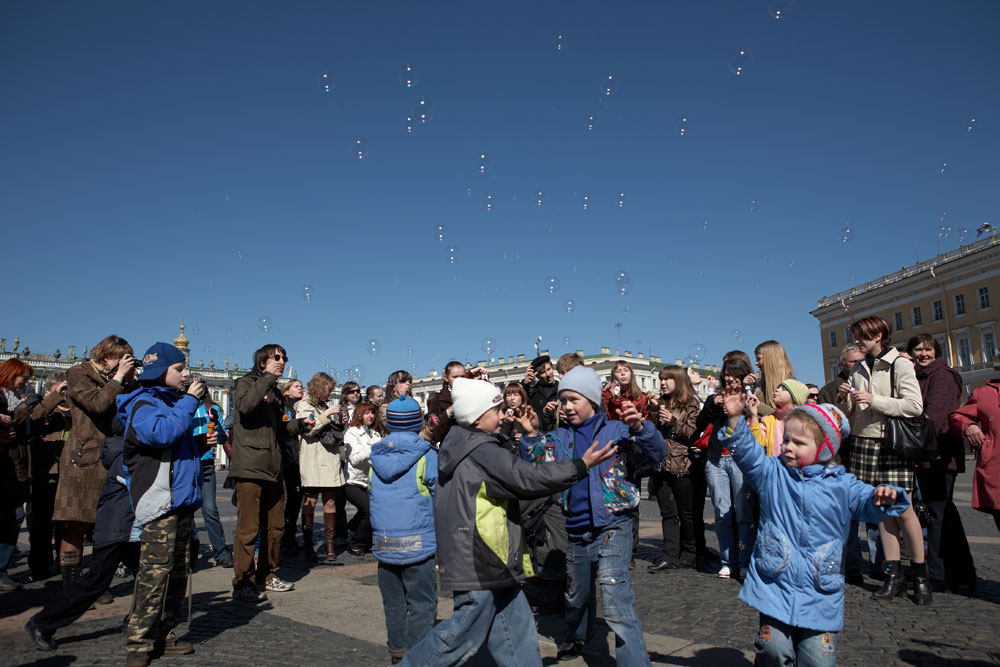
[[115, 518]]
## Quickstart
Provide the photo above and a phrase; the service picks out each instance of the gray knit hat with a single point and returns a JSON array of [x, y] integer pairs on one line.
[[583, 381]]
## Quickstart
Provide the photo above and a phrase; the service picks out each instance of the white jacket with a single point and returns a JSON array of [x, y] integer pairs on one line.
[[868, 420], [358, 444], [319, 467]]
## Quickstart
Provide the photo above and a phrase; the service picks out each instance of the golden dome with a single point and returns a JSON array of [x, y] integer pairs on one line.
[[181, 343]]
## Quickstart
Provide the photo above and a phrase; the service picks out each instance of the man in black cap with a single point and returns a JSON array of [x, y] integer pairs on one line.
[[543, 391]]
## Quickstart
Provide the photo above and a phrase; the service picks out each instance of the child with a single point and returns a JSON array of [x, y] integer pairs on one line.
[[161, 461], [796, 575], [598, 513], [358, 448], [514, 397], [480, 552], [623, 389], [404, 473], [787, 395], [540, 383]]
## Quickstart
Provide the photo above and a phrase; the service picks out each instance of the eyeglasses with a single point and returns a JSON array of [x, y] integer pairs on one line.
[[280, 357]]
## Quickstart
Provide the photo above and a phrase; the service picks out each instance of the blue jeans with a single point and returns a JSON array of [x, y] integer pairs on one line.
[[409, 598], [854, 559], [501, 619], [10, 526], [210, 511], [724, 478], [609, 549], [778, 643]]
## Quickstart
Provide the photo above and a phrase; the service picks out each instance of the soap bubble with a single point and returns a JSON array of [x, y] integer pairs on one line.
[[439, 232], [483, 163], [355, 373], [756, 285], [682, 126], [359, 148], [779, 9], [451, 255], [408, 123], [239, 254], [697, 352], [591, 122], [194, 329], [413, 365], [585, 202], [740, 61], [488, 346], [325, 82], [489, 202], [264, 323], [751, 206], [207, 350], [229, 335], [704, 225], [737, 335], [943, 167], [567, 341], [944, 232], [409, 352], [846, 234], [423, 109], [623, 283], [560, 42], [964, 235], [408, 76], [306, 293], [970, 125], [621, 199], [570, 305], [608, 84], [551, 285], [764, 258], [628, 310], [373, 346], [539, 196], [511, 256]]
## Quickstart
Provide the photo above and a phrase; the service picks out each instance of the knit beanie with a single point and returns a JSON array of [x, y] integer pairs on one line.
[[583, 381], [832, 422], [798, 390], [403, 414], [471, 398], [158, 358]]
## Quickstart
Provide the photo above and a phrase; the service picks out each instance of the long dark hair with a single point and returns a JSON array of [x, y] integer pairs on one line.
[[390, 385]]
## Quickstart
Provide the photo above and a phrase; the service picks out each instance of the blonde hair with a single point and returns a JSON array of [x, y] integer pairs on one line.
[[775, 367], [320, 384]]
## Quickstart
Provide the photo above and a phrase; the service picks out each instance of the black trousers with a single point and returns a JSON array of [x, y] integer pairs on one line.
[[674, 496], [293, 501], [361, 524], [43, 534], [699, 489], [948, 555], [75, 598]]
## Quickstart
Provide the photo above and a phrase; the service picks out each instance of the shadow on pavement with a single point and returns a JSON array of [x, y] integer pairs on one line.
[[707, 657], [216, 612], [926, 659]]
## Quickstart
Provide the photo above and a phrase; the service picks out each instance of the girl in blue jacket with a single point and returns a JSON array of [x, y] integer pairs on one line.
[[807, 502]]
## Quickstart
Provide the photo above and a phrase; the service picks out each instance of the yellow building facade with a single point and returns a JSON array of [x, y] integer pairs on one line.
[[951, 297]]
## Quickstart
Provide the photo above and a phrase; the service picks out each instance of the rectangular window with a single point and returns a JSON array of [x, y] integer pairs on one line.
[[964, 351], [984, 297], [848, 338], [833, 339], [938, 311], [834, 368], [960, 304], [897, 319], [989, 346], [918, 319]]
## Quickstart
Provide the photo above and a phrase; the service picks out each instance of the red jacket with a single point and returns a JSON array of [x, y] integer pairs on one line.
[[983, 409], [613, 405]]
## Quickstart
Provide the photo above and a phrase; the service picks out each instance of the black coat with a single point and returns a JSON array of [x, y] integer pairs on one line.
[[115, 517]]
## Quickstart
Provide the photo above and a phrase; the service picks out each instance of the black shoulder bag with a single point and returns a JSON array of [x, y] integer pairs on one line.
[[911, 438]]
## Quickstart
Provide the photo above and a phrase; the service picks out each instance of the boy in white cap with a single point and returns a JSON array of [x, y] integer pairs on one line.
[[478, 529], [598, 513]]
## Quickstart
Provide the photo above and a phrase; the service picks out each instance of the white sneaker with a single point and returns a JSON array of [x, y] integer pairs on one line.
[[725, 572], [276, 585]]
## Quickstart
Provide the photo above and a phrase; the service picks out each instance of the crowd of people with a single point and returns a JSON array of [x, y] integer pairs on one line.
[[513, 497]]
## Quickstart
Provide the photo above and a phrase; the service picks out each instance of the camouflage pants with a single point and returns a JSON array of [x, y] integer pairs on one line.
[[160, 585]]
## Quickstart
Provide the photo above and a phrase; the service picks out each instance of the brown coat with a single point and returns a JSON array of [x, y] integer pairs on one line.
[[678, 434], [52, 425], [91, 396], [259, 423]]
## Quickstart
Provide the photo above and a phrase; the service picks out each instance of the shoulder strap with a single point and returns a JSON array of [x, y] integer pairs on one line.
[[892, 379], [131, 416]]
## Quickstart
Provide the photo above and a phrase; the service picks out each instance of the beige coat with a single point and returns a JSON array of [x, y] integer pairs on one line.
[[319, 467], [868, 420]]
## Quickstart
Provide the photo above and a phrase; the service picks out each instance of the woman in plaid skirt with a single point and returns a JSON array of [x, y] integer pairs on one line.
[[868, 398]]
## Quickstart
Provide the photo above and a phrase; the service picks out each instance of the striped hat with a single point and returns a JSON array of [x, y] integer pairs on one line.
[[834, 425], [404, 414]]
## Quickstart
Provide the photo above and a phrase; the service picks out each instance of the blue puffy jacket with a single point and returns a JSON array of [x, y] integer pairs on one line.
[[797, 572], [161, 458], [402, 479], [611, 494]]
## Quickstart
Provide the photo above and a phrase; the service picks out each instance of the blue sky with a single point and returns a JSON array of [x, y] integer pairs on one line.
[[161, 160]]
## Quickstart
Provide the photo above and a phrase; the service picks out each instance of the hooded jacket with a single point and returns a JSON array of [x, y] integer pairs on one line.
[[480, 546], [611, 494], [404, 470], [260, 425], [161, 458], [115, 518], [797, 571]]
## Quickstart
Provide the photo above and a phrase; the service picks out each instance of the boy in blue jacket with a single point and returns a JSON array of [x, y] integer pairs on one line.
[[162, 470], [807, 502], [402, 479], [598, 511]]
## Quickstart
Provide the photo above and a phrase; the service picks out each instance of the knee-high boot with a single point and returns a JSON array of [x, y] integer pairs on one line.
[[329, 527], [309, 550]]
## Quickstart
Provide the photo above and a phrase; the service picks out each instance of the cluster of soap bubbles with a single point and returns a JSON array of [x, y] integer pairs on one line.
[[488, 346], [944, 232], [737, 335], [373, 346], [623, 283], [355, 373], [551, 284]]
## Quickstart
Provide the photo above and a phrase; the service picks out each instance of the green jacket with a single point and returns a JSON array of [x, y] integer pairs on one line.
[[258, 426]]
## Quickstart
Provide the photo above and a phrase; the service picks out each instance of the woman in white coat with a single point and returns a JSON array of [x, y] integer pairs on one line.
[[358, 441]]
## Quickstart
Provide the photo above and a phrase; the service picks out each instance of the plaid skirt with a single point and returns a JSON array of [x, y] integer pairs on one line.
[[874, 464]]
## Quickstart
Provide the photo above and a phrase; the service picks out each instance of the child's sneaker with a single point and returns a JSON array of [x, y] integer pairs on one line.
[[276, 585], [249, 594], [725, 572]]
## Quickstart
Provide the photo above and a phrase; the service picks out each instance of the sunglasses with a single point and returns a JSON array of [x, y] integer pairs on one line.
[[120, 341], [280, 357], [814, 396], [354, 391]]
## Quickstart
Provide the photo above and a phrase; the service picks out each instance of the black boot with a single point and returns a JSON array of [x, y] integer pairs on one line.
[[895, 582], [309, 552], [921, 583]]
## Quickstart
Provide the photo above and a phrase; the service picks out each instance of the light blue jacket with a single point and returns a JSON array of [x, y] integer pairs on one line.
[[401, 488], [797, 572]]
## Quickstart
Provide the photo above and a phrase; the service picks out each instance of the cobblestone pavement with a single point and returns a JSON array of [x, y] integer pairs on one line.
[[334, 616]]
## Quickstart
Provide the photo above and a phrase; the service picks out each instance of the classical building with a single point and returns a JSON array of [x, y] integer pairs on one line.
[[503, 371], [949, 296]]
